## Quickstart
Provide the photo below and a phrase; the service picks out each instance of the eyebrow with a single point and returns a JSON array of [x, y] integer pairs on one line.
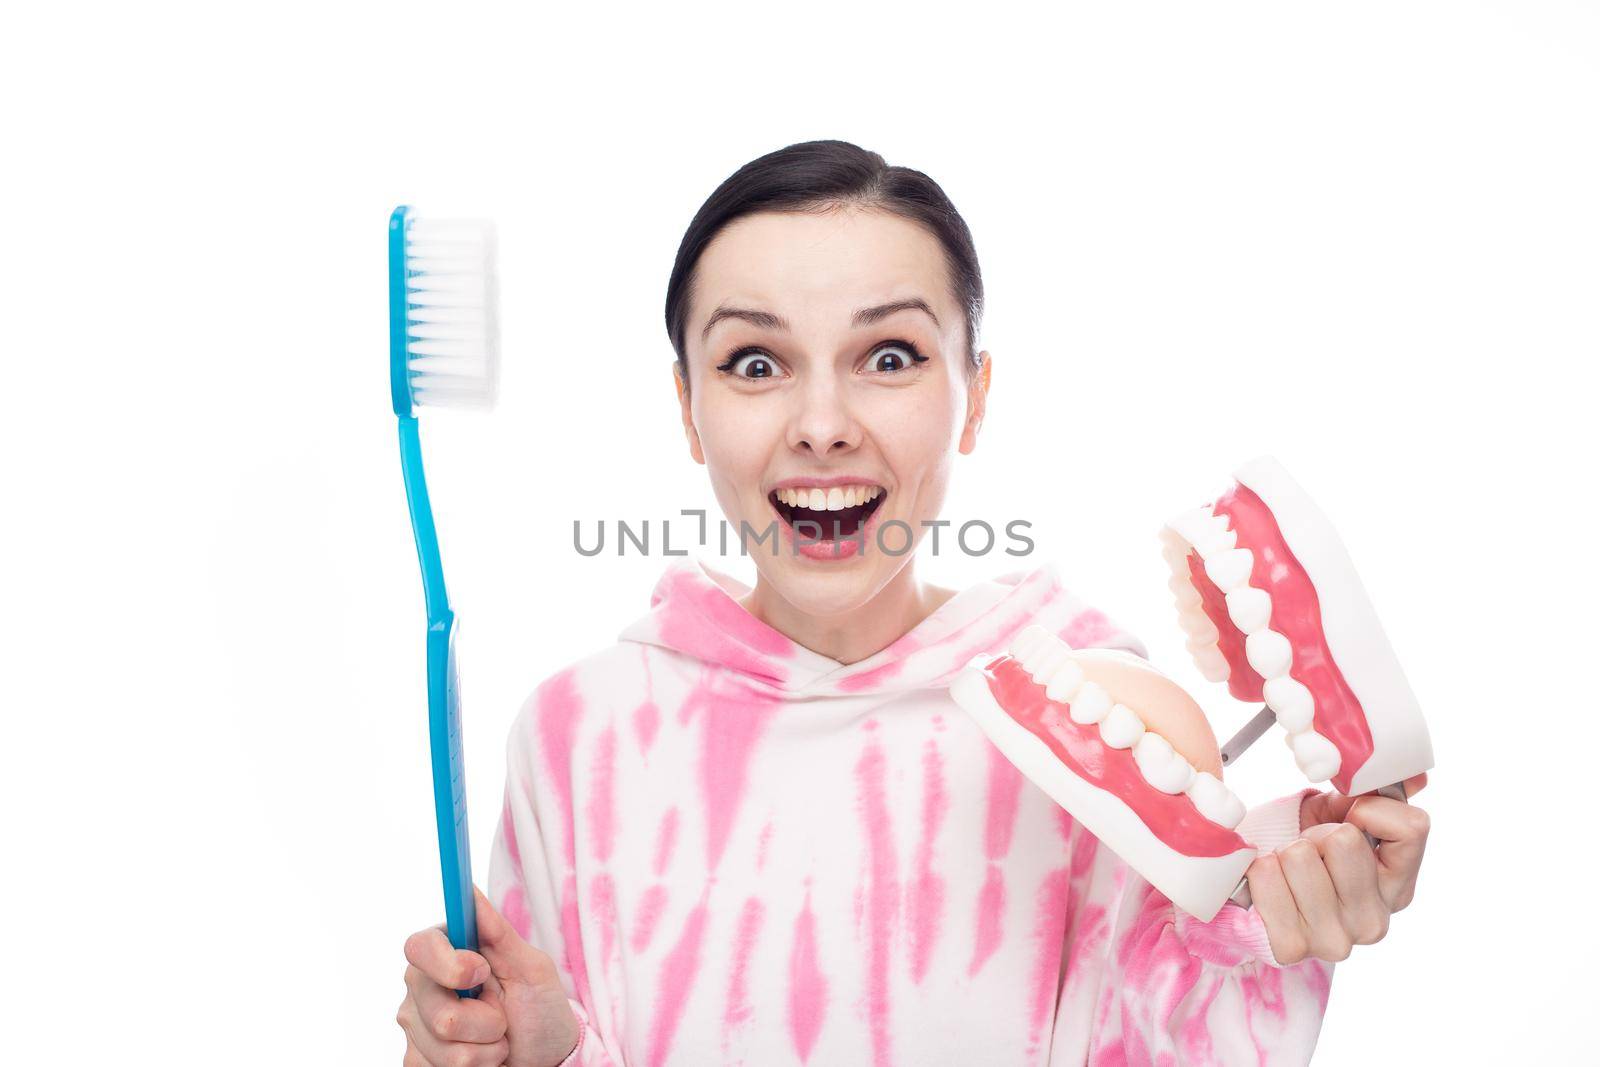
[[863, 317]]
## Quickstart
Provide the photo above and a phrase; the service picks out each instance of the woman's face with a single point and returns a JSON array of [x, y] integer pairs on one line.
[[828, 394]]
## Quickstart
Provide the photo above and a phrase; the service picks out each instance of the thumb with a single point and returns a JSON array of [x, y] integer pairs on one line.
[[510, 957], [1325, 807], [1329, 807]]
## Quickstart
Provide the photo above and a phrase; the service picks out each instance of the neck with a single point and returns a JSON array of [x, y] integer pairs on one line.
[[851, 636]]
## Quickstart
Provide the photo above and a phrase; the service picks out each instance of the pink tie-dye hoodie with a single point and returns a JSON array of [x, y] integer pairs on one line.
[[738, 850]]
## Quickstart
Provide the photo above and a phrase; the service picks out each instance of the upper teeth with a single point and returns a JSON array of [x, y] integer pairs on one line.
[[1049, 662], [835, 498], [1207, 535]]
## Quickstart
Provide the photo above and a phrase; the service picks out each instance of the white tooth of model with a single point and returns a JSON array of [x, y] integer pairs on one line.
[[1290, 702], [1268, 652], [1064, 682], [1215, 800], [1249, 608], [1230, 570], [1091, 705], [1316, 755], [1161, 766], [1121, 728]]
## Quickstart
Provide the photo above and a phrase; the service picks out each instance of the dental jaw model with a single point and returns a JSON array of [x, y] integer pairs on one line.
[[1273, 607], [1124, 750]]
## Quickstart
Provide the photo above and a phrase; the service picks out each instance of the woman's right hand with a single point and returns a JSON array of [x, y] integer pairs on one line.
[[521, 1019]]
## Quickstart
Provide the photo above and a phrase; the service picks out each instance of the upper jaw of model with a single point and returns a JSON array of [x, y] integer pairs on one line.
[[1272, 605], [1249, 607], [1050, 662]]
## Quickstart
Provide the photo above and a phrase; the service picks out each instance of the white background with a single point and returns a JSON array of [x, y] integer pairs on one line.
[[1362, 237]]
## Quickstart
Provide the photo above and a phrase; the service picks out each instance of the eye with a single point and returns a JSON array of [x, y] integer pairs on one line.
[[894, 356], [750, 363]]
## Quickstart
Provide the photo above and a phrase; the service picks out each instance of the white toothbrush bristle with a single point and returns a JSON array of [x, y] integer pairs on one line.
[[452, 336]]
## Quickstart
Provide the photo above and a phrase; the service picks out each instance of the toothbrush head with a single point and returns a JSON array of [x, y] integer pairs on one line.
[[444, 338]]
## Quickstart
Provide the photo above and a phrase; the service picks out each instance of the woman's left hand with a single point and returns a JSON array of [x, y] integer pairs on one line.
[[1329, 889]]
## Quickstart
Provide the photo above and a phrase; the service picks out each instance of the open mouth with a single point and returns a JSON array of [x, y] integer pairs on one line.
[[832, 513]]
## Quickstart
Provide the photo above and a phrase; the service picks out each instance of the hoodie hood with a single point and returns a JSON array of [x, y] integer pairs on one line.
[[694, 610]]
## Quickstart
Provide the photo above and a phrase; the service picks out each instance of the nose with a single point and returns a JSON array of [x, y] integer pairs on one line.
[[822, 422]]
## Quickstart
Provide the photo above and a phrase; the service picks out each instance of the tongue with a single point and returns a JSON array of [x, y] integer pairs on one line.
[[829, 525]]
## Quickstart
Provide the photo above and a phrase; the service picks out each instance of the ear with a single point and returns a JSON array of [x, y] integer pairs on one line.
[[688, 415], [977, 404]]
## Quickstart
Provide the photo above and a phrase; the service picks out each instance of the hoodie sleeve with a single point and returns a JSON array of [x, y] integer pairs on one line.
[[1182, 991], [522, 885]]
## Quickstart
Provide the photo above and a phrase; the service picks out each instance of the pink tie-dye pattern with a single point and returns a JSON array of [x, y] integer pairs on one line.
[[733, 723], [603, 907], [763, 845], [559, 708], [508, 830], [1319, 979], [1196, 1030], [1005, 787], [872, 678], [1089, 628], [654, 899], [1150, 964], [572, 937], [925, 896], [666, 837], [744, 943], [883, 894], [651, 904], [677, 977], [646, 720], [991, 906], [808, 989], [1049, 923], [1089, 933], [699, 616], [1263, 994], [514, 908], [602, 802], [1156, 1001], [1065, 824], [877, 677], [1087, 923]]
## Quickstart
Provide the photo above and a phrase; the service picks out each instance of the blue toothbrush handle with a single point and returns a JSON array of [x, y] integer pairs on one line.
[[449, 787], [444, 706]]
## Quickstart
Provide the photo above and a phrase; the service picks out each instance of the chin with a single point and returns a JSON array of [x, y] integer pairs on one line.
[[829, 588]]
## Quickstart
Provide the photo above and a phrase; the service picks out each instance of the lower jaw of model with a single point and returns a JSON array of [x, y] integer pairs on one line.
[[1272, 605], [1061, 718]]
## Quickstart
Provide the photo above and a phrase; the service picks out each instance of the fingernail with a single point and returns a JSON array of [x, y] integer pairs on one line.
[[481, 975]]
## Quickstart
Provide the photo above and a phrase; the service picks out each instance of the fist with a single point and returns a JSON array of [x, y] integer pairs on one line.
[[1329, 889], [522, 1018]]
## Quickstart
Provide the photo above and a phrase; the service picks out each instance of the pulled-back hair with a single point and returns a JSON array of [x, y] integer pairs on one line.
[[821, 175]]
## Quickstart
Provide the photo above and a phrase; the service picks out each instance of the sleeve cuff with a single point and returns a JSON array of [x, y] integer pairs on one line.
[[1274, 824], [574, 1057], [1239, 935]]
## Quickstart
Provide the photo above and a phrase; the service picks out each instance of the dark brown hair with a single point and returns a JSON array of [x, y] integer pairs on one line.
[[817, 175]]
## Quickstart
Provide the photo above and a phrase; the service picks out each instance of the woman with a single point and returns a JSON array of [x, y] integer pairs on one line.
[[757, 829]]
